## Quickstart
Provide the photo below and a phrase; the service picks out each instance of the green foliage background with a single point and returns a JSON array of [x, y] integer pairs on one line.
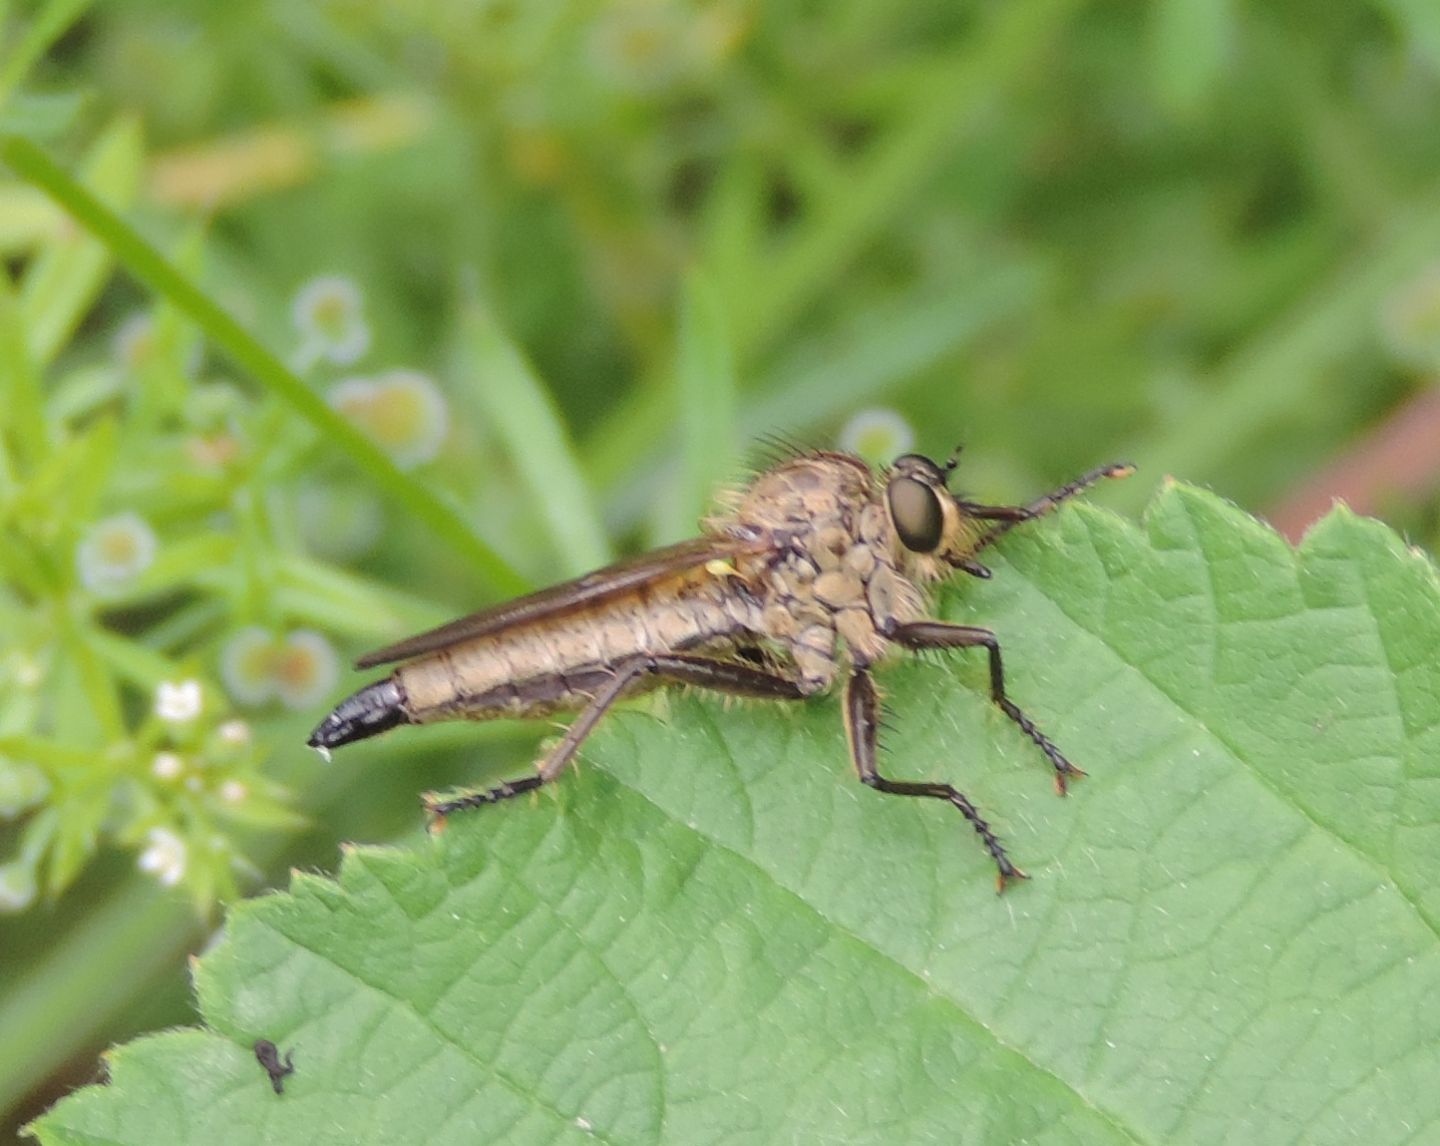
[[625, 239]]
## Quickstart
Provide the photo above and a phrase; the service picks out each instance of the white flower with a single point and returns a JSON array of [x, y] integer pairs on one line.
[[235, 732], [401, 411], [327, 312], [115, 551], [298, 670], [167, 765], [247, 665], [878, 435], [308, 669], [178, 702], [233, 791], [164, 856]]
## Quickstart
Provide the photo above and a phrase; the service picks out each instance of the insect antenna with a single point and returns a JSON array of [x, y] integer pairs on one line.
[[1016, 515]]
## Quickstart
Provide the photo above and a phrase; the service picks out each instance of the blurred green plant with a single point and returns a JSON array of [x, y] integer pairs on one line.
[[142, 538], [534, 273]]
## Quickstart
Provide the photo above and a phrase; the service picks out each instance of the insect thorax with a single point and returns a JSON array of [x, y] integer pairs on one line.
[[837, 578]]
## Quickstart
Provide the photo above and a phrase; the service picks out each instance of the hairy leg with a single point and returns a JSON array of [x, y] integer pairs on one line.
[[862, 714]]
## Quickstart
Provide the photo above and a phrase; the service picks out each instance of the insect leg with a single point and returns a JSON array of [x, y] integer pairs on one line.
[[1009, 516], [940, 635], [862, 710], [673, 668]]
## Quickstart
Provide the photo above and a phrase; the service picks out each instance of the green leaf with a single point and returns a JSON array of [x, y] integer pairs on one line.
[[713, 933]]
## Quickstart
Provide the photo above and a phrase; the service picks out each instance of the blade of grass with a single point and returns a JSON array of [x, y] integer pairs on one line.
[[68, 273], [52, 22], [528, 421], [782, 285], [1007, 51], [147, 264], [705, 401]]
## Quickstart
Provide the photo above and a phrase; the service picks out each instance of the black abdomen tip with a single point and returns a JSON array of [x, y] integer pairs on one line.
[[369, 712]]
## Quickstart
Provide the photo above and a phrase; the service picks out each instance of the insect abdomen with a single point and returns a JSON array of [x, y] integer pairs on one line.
[[537, 669], [374, 709]]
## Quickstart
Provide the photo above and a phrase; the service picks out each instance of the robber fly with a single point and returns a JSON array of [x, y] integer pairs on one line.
[[811, 574]]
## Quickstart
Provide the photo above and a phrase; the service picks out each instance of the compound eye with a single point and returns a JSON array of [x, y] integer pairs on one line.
[[915, 510]]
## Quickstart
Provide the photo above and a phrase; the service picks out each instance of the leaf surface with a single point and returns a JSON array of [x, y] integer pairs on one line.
[[712, 933]]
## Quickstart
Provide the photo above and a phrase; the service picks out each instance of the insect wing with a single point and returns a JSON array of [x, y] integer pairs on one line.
[[610, 581]]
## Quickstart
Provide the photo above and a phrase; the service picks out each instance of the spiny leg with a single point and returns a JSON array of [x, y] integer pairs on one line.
[[1009, 516], [862, 715], [940, 635], [674, 668]]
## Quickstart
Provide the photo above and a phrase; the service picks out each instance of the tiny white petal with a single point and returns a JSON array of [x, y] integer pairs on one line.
[[403, 412], [235, 732], [167, 766], [178, 702], [309, 669], [115, 551], [164, 856], [247, 666], [327, 312], [877, 435], [233, 791]]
